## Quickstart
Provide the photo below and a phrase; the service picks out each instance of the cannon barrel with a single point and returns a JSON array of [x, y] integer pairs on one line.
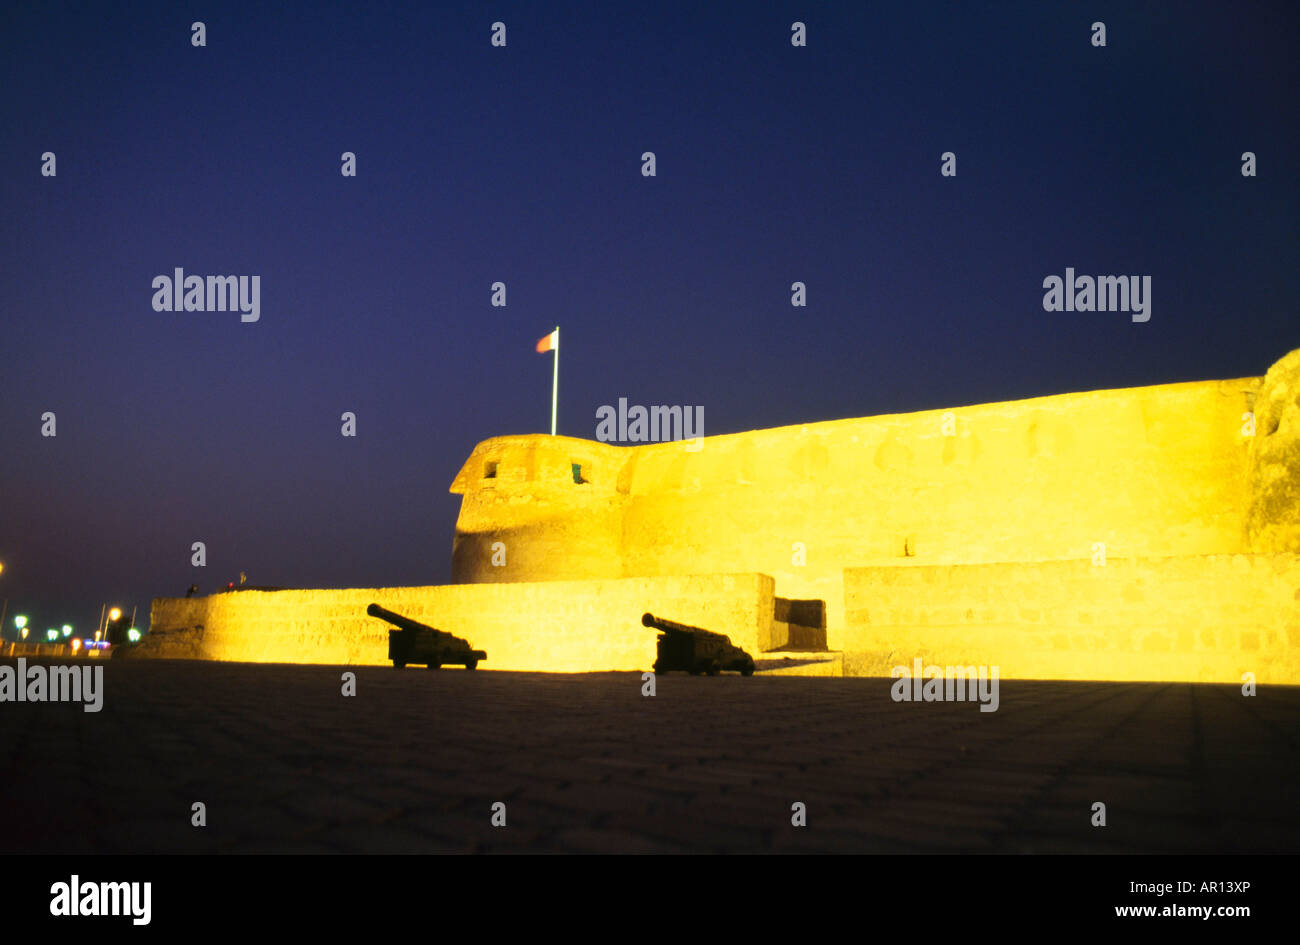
[[669, 626], [397, 620]]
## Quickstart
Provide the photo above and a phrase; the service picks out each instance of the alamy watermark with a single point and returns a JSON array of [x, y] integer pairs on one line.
[[41, 683], [946, 684], [1100, 294], [181, 293], [637, 424], [76, 898]]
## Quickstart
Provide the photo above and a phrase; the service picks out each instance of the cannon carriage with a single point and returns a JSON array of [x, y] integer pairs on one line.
[[695, 651], [413, 642]]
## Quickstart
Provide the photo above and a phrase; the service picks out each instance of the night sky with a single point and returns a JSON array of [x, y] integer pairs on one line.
[[522, 164]]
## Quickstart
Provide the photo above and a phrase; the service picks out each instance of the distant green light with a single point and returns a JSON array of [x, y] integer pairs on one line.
[[133, 635], [67, 629], [20, 621], [51, 634]]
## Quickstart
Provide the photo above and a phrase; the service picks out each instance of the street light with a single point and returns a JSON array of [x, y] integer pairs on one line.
[[51, 634], [67, 629], [113, 615], [133, 635], [20, 621]]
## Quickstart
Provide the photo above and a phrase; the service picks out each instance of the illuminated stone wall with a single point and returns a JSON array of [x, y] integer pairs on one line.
[[974, 535], [1274, 517], [1194, 618], [1149, 472], [524, 511], [558, 626]]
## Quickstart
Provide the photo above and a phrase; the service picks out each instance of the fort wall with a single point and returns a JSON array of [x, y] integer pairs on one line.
[[1150, 533], [557, 626], [1149, 472], [1205, 618]]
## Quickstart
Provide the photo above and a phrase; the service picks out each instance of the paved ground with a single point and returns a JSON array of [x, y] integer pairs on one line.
[[415, 761]]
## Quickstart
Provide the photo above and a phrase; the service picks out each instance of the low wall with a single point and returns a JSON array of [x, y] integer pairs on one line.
[[554, 626], [1194, 618]]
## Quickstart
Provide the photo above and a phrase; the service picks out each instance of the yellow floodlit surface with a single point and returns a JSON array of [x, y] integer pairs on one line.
[[1142, 533]]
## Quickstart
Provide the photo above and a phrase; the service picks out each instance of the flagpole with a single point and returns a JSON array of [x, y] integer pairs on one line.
[[555, 379]]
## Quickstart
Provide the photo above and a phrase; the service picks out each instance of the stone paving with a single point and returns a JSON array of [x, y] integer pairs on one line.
[[584, 763]]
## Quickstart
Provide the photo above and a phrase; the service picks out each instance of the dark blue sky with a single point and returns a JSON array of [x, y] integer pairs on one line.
[[522, 164]]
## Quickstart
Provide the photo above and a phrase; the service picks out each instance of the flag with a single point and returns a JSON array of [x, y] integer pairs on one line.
[[550, 342]]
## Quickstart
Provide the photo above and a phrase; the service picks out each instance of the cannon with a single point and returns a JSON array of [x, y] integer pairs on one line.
[[413, 642], [695, 650]]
